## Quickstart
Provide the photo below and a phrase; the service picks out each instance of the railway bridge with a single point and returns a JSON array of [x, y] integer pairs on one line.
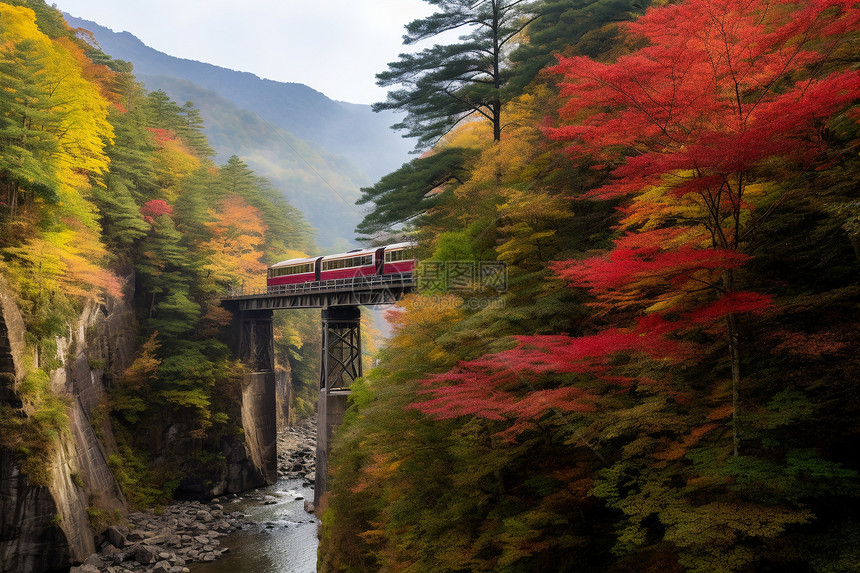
[[251, 339]]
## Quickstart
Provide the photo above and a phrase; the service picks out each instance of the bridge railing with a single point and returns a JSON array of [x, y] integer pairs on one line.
[[369, 282]]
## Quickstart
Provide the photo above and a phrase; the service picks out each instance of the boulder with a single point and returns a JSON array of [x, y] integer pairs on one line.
[[143, 554], [116, 538], [204, 516]]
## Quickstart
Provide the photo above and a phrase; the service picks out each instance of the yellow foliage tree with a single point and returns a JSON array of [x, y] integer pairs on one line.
[[173, 161], [235, 249], [67, 258]]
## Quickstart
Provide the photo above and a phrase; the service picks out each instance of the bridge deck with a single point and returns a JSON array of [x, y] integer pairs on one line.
[[356, 291]]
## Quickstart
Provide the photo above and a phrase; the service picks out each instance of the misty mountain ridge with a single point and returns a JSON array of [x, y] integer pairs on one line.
[[318, 151]]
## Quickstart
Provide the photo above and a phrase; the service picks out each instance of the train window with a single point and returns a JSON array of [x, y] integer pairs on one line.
[[399, 255], [347, 263], [291, 270]]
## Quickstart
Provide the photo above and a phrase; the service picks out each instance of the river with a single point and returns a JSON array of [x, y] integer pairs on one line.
[[279, 537]]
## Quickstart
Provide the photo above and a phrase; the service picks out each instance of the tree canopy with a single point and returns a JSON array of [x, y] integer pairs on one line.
[[109, 198], [412, 190], [444, 85], [663, 382]]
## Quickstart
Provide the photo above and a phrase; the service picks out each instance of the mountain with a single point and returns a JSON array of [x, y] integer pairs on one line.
[[322, 185], [318, 151]]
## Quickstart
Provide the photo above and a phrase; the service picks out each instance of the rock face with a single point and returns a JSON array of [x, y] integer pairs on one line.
[[44, 528], [11, 347], [258, 421], [48, 527], [250, 459], [28, 541], [283, 397]]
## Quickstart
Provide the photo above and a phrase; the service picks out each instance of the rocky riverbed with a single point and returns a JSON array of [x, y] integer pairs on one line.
[[297, 451], [189, 532]]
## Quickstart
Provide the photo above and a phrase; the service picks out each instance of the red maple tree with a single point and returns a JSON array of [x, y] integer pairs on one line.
[[694, 129], [155, 208]]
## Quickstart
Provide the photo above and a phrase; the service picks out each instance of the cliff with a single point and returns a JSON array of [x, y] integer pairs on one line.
[[46, 527]]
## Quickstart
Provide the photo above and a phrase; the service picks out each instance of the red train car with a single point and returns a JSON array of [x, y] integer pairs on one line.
[[389, 260], [293, 271], [356, 263], [399, 258]]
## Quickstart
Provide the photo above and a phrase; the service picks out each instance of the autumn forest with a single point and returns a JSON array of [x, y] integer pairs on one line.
[[670, 383], [109, 193], [666, 381]]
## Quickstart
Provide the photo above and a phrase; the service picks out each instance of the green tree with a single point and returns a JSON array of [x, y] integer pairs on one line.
[[412, 190], [164, 112], [122, 223], [445, 85], [131, 176], [131, 161], [28, 125], [236, 177], [191, 131], [165, 274], [585, 27], [192, 206]]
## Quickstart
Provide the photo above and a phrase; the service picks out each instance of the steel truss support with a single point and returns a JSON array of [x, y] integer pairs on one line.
[[341, 348], [340, 367]]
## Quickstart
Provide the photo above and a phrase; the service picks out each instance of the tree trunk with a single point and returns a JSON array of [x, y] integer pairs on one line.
[[735, 359], [497, 121], [734, 355], [13, 200]]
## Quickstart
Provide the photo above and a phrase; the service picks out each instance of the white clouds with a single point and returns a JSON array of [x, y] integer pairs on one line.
[[334, 46]]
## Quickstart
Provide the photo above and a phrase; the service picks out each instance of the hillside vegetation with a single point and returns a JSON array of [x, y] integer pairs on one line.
[[108, 192], [317, 151], [668, 380]]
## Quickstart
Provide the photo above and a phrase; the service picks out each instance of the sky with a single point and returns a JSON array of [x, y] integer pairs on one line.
[[334, 46]]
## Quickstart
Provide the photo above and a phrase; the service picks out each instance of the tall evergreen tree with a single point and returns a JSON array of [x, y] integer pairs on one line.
[[164, 112], [192, 130], [28, 125], [444, 85], [570, 26], [236, 177], [409, 192]]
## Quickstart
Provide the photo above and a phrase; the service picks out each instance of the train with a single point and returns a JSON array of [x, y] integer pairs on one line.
[[396, 259]]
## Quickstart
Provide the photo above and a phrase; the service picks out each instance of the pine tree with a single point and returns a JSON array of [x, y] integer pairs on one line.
[[192, 130], [444, 85], [412, 190], [28, 125]]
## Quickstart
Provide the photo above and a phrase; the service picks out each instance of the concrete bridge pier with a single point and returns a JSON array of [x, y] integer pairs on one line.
[[256, 462], [340, 366]]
